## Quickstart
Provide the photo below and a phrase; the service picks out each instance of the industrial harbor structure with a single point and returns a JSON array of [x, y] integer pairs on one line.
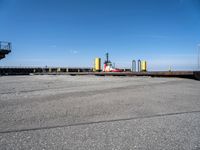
[[89, 71], [5, 48], [137, 69]]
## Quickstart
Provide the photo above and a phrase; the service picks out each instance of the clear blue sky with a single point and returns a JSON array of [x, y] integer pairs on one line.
[[73, 32]]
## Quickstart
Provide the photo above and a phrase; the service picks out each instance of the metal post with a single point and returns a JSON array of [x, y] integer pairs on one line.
[[107, 59], [198, 56]]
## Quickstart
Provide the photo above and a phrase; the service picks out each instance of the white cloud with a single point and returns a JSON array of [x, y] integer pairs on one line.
[[74, 51], [153, 36], [53, 46]]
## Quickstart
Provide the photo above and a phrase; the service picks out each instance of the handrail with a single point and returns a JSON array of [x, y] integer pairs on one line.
[[5, 45]]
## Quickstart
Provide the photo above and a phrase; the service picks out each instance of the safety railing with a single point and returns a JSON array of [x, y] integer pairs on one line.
[[5, 46]]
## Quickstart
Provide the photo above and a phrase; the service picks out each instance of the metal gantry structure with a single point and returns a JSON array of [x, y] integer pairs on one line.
[[5, 48]]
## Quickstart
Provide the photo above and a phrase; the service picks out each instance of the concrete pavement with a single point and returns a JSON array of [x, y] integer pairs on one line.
[[88, 112]]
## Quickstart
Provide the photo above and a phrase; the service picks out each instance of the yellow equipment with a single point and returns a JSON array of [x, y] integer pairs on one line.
[[97, 64], [143, 66]]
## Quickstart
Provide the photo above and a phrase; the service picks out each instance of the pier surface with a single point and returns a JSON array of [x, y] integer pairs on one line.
[[98, 112]]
